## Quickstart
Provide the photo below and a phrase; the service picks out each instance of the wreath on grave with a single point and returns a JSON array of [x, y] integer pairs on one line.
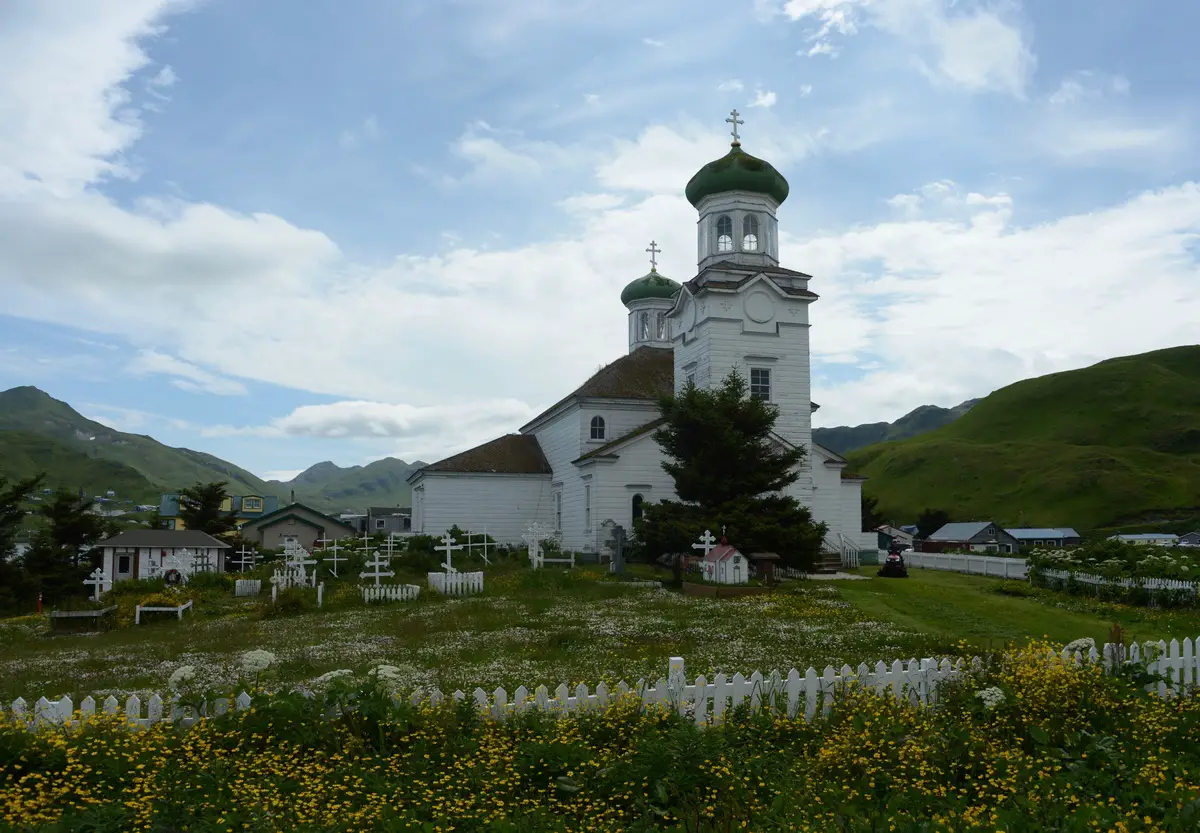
[[172, 578]]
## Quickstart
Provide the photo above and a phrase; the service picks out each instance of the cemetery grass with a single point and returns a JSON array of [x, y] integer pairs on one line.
[[990, 613], [557, 626]]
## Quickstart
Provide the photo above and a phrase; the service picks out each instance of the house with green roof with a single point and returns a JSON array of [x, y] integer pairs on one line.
[[590, 460]]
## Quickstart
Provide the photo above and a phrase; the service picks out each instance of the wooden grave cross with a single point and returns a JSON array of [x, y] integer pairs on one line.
[[471, 544], [707, 543], [247, 556], [202, 563], [377, 566], [299, 559], [533, 537], [333, 559], [448, 546], [99, 582]]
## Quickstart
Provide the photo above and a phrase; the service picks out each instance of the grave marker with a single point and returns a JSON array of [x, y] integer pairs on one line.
[[448, 546], [377, 569], [99, 582]]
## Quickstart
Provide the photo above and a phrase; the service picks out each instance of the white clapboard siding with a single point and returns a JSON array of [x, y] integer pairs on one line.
[[980, 565], [795, 693], [247, 587], [456, 584], [390, 592], [1102, 581]]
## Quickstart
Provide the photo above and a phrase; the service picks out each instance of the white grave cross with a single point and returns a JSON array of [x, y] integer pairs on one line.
[[333, 559], [99, 582], [533, 537], [202, 563], [707, 543], [377, 569], [448, 546], [247, 557], [297, 558]]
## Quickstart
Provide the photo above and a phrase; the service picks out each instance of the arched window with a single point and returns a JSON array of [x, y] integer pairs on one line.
[[597, 428], [644, 326], [724, 234], [750, 233], [662, 326], [637, 506]]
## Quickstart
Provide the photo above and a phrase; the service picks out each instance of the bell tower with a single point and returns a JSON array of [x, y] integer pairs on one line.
[[649, 300]]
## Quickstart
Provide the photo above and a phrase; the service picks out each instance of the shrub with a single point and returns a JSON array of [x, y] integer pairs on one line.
[[289, 602]]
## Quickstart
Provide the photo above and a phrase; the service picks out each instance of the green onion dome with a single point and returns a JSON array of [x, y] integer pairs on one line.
[[650, 285], [737, 171]]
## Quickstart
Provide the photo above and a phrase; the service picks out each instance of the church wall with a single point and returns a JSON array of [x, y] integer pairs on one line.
[[619, 420], [638, 470], [506, 503], [561, 442], [825, 499]]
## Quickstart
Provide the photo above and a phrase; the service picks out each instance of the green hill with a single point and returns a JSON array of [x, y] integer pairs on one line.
[[28, 410], [24, 454], [847, 438], [1113, 445], [330, 488]]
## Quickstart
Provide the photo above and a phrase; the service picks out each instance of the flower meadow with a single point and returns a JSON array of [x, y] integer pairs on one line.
[[1121, 571], [1017, 745]]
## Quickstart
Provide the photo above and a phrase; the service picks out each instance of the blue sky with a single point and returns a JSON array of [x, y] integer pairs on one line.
[[284, 234]]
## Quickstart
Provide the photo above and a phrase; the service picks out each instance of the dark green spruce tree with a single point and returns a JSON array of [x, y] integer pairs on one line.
[[60, 556], [200, 508], [17, 593], [729, 472]]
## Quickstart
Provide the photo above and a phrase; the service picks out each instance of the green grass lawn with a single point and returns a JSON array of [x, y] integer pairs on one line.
[[555, 626]]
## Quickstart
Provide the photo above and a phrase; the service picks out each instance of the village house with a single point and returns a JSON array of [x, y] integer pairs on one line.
[[889, 534], [145, 553], [725, 565], [1192, 539], [294, 524], [389, 520], [1053, 537], [1152, 539], [975, 536], [243, 507]]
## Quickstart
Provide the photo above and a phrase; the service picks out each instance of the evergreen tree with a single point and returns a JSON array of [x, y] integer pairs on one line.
[[59, 559], [930, 521], [728, 470], [17, 591], [200, 508], [871, 516]]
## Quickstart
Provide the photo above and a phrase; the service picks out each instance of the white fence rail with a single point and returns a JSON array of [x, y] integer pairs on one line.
[[390, 592], [706, 701], [178, 610], [456, 584], [247, 587], [979, 565], [1103, 581]]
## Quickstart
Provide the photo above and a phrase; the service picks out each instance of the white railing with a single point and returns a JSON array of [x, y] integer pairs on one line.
[[285, 579], [980, 565], [1103, 581], [178, 610], [849, 551], [456, 584], [706, 701], [247, 587], [390, 592]]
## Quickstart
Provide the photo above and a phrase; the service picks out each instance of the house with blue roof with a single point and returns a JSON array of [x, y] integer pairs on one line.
[[974, 536], [1151, 539], [1044, 536]]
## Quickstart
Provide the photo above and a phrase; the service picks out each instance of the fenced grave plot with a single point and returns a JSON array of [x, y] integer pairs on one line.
[[390, 593], [176, 609], [247, 587], [456, 584]]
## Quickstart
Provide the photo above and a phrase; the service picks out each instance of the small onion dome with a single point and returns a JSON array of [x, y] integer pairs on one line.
[[650, 285], [737, 171]]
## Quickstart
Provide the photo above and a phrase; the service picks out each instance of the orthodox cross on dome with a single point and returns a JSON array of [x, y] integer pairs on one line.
[[735, 121], [654, 252]]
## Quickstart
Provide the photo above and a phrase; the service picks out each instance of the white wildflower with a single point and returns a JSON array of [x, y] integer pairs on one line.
[[991, 697], [254, 662], [330, 676], [1083, 646], [183, 675], [387, 673]]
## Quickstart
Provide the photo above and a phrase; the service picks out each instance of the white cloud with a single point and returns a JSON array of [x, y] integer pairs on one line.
[[805, 90], [764, 99], [282, 475], [131, 420], [1087, 85], [365, 133], [653, 42], [974, 46], [732, 85], [497, 155], [188, 376]]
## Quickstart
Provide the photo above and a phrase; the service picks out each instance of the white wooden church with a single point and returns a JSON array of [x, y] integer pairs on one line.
[[590, 460]]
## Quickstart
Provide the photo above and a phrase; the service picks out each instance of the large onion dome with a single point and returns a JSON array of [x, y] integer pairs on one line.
[[737, 171]]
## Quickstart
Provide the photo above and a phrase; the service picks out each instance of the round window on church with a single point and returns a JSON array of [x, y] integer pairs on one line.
[[724, 234]]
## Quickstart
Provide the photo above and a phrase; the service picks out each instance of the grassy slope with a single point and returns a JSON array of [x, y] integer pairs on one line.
[[23, 454], [28, 409], [1107, 445], [846, 438]]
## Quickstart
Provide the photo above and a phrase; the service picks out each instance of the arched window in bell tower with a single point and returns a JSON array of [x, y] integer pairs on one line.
[[644, 326], [662, 326], [750, 233], [724, 233]]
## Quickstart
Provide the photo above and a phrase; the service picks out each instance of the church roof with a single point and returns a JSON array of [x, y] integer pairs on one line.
[[736, 274], [510, 454], [650, 285], [646, 373]]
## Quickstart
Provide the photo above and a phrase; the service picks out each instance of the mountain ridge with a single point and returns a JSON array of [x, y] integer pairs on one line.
[[846, 438]]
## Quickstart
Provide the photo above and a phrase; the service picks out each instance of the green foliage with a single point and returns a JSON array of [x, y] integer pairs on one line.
[[289, 602], [1105, 446], [871, 516], [726, 464], [12, 510], [200, 508], [930, 521], [72, 527], [25, 453], [1120, 560], [719, 445], [327, 487]]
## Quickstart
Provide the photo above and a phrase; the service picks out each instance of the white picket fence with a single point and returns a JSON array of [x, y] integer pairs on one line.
[[285, 579], [247, 587], [390, 592], [456, 584], [979, 565], [1103, 581]]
